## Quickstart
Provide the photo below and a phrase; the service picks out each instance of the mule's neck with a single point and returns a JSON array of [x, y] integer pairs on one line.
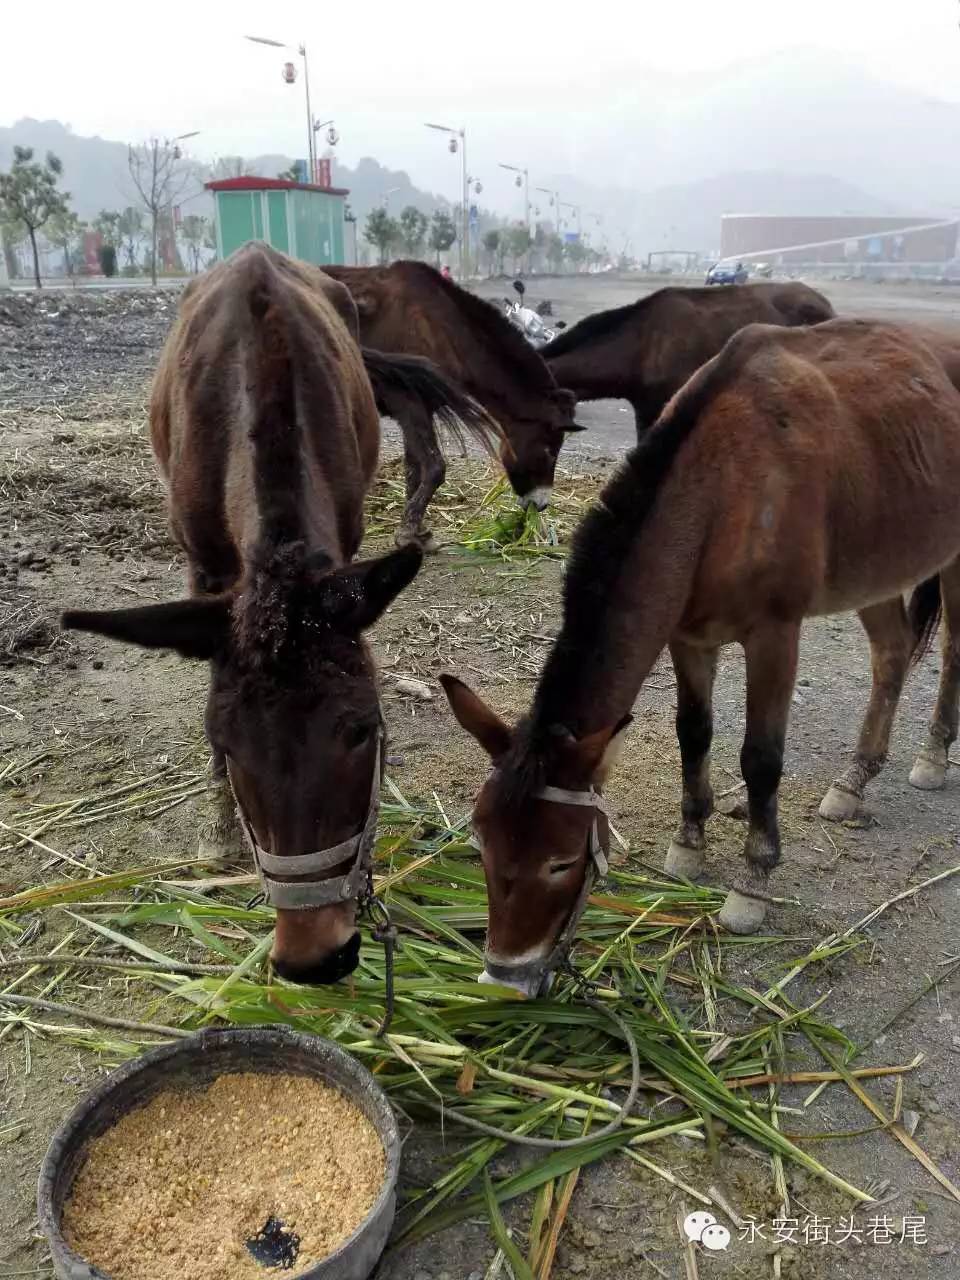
[[596, 668], [597, 369]]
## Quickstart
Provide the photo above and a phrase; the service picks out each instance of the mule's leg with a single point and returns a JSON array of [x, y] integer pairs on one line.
[[220, 838], [771, 654], [891, 644], [426, 470], [929, 773], [696, 670]]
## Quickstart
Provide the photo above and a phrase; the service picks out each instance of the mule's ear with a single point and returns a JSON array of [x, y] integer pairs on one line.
[[597, 753], [193, 628], [479, 720], [353, 598]]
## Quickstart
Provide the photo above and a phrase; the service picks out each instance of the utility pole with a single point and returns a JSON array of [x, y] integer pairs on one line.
[[458, 142]]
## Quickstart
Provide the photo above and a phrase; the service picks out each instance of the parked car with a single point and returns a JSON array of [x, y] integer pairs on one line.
[[727, 273]]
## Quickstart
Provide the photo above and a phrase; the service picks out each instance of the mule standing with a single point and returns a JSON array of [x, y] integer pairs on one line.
[[409, 308], [801, 472], [264, 423], [646, 351]]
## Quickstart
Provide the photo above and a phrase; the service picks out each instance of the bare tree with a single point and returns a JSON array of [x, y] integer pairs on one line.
[[159, 178], [231, 167]]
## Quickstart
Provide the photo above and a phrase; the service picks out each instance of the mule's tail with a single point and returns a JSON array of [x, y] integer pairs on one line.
[[923, 611], [401, 381]]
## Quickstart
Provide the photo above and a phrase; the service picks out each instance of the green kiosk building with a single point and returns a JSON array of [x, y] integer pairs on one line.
[[303, 220]]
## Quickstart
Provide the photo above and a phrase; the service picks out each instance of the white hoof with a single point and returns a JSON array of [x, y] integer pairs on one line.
[[684, 862], [839, 805], [928, 774], [740, 914]]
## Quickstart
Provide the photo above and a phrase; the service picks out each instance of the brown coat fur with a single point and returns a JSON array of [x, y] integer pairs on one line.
[[646, 351], [409, 308], [800, 472]]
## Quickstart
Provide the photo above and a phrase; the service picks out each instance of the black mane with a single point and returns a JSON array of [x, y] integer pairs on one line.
[[599, 555], [510, 343]]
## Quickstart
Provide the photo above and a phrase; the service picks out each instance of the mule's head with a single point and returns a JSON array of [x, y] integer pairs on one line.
[[531, 443], [535, 851], [293, 709]]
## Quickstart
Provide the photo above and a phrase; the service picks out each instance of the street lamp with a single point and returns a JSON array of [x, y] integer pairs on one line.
[[554, 202], [390, 191], [522, 180], [311, 127], [576, 210], [465, 181]]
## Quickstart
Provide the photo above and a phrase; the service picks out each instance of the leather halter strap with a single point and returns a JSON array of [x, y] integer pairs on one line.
[[597, 867], [309, 894]]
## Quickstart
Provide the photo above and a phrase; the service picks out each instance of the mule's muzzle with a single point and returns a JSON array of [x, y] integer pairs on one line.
[[339, 964], [533, 979], [539, 497]]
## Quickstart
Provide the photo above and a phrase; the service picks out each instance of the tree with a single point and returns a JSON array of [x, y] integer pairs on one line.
[[12, 235], [413, 230], [230, 167], [292, 174], [491, 242], [518, 243], [29, 196], [381, 230], [554, 248], [107, 223], [159, 178], [443, 232], [65, 230], [130, 229], [576, 253], [196, 232]]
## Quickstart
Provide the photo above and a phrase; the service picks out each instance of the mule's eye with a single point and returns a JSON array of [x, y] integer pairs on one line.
[[355, 735], [558, 868]]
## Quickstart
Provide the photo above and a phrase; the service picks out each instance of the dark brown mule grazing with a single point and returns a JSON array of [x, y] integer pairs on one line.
[[801, 472], [411, 309], [646, 351], [264, 424]]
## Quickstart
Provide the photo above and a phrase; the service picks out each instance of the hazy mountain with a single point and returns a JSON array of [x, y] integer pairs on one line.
[[801, 111]]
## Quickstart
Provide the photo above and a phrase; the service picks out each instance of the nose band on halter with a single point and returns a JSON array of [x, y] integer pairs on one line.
[[536, 973], [306, 895]]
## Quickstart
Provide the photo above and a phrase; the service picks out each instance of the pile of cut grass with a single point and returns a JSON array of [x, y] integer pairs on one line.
[[711, 1050]]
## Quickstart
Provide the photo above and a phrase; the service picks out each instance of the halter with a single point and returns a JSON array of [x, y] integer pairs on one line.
[[307, 895], [597, 845]]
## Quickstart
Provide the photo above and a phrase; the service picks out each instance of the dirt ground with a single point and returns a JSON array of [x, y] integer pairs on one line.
[[83, 520]]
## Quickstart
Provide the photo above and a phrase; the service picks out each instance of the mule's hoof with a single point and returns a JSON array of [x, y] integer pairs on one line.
[[928, 775], [407, 537], [740, 914], [839, 805], [683, 862]]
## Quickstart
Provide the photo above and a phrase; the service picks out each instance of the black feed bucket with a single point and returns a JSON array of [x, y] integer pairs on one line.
[[198, 1060]]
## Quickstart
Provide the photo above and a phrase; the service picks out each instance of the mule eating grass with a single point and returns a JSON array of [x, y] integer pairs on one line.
[[645, 352], [800, 472]]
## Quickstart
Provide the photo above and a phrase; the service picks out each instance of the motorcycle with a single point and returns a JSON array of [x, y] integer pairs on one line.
[[530, 321]]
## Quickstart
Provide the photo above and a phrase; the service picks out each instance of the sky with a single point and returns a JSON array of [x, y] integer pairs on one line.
[[513, 74]]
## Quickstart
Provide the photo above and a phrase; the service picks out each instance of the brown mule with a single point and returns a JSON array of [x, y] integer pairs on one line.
[[409, 308], [264, 424], [646, 351], [800, 472]]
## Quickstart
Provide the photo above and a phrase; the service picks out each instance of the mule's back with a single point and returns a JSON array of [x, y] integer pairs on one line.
[[258, 327]]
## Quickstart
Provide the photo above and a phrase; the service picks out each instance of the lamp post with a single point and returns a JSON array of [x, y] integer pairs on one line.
[[458, 142], [390, 191], [524, 182], [311, 125]]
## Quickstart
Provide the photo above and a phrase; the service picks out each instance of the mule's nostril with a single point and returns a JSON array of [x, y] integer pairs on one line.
[[339, 964]]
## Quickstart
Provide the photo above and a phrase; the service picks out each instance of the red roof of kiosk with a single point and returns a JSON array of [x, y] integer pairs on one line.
[[271, 184]]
